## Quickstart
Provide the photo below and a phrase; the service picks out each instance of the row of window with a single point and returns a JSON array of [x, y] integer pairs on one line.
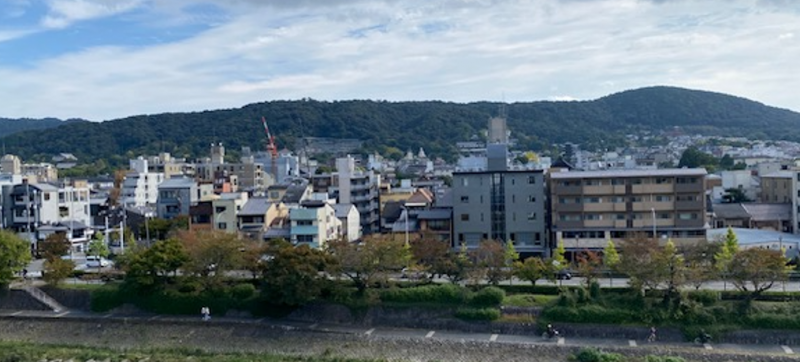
[[530, 181], [622, 199], [530, 216], [622, 234], [631, 181], [465, 199], [634, 216]]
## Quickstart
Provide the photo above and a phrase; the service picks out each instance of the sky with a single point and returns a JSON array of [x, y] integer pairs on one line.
[[107, 59]]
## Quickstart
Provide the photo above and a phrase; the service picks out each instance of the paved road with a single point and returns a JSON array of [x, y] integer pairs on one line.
[[402, 333]]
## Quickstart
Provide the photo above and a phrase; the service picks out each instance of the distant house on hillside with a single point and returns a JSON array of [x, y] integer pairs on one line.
[[65, 160]]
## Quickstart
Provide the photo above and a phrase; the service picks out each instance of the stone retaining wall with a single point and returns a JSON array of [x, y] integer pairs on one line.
[[70, 298], [15, 299]]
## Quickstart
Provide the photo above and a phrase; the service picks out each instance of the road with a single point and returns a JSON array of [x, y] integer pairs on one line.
[[402, 333]]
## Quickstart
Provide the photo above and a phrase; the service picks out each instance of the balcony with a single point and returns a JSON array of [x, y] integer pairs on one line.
[[574, 207], [689, 205], [690, 187], [599, 190], [600, 207], [567, 190], [305, 230], [652, 189]]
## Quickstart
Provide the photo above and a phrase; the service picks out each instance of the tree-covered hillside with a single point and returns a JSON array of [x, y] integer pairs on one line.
[[435, 126], [11, 126]]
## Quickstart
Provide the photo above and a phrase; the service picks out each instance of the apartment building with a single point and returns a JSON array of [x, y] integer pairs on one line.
[[360, 188], [140, 187], [590, 207], [175, 197], [776, 187], [314, 224]]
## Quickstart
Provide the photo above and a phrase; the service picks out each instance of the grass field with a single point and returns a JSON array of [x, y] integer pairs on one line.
[[23, 352]]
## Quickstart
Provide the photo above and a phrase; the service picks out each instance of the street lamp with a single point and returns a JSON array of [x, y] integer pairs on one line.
[[653, 210], [405, 212]]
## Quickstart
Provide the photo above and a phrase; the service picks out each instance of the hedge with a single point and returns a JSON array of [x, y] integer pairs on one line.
[[589, 314], [445, 294], [488, 297], [478, 314]]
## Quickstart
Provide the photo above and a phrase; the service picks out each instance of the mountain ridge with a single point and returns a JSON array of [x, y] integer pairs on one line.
[[390, 127]]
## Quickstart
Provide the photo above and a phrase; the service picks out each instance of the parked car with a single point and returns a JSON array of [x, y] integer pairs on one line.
[[563, 275], [97, 262]]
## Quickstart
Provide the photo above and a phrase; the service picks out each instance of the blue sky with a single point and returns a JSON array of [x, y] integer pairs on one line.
[[106, 59]]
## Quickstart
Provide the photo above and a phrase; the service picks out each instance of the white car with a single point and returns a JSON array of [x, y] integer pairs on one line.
[[95, 262]]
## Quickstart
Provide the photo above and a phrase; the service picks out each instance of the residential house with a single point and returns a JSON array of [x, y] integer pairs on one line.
[[314, 224], [257, 216], [175, 197], [351, 221]]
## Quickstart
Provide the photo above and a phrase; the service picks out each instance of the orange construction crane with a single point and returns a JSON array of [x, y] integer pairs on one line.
[[272, 148]]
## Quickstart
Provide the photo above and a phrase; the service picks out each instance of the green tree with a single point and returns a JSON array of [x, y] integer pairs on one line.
[[671, 268], [146, 268], [97, 247], [510, 254], [15, 254], [292, 274], [368, 261], [755, 270], [700, 263], [723, 258], [693, 157], [489, 261], [211, 253], [429, 254], [734, 196], [457, 265], [56, 270], [54, 246], [610, 259], [639, 255], [531, 269]]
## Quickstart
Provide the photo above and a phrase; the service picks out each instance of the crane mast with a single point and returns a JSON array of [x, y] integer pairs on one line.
[[272, 149]]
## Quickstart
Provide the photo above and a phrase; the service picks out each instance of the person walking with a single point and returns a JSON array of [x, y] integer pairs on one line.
[[652, 337], [206, 312]]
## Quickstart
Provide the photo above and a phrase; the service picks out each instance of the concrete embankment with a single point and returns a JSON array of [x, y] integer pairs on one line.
[[263, 337]]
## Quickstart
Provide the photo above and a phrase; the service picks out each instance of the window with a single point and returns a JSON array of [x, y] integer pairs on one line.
[[687, 216], [532, 216], [663, 198], [617, 181], [531, 180], [464, 182], [569, 217], [220, 209], [620, 216], [464, 217], [591, 200], [636, 181], [46, 197], [531, 198], [481, 217], [304, 223], [663, 180], [592, 217], [616, 199], [222, 225], [686, 198], [664, 215], [465, 199], [305, 238]]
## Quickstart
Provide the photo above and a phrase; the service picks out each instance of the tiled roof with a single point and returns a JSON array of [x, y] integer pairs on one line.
[[769, 212], [255, 206]]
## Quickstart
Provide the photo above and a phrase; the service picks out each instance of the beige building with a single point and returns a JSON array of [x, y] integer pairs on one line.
[[590, 207], [776, 187]]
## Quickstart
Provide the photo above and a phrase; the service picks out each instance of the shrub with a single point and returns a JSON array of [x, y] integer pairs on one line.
[[772, 321], [594, 290], [651, 358], [595, 355], [589, 314], [243, 291], [704, 297], [478, 314], [488, 297], [445, 293], [107, 297]]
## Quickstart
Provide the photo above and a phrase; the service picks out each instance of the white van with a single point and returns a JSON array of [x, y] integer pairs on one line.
[[97, 262]]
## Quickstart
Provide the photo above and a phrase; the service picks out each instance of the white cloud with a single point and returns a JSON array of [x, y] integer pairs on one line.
[[62, 13], [455, 50]]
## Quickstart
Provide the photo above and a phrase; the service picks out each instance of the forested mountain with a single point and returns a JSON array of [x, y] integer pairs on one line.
[[11, 126], [436, 126]]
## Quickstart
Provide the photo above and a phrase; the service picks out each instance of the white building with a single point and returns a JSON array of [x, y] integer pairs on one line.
[[140, 187]]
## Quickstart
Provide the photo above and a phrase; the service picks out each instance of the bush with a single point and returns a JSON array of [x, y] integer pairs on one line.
[[651, 358], [478, 314], [589, 314], [595, 355], [108, 297], [445, 294], [243, 291], [772, 321], [488, 297], [704, 297]]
